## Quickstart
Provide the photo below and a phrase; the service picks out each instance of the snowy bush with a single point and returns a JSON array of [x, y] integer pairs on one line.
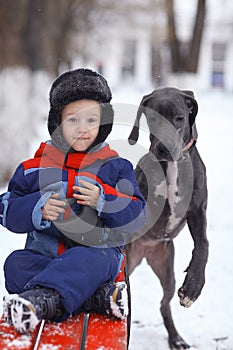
[[24, 105]]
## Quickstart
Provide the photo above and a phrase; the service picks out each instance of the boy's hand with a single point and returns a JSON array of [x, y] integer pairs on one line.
[[89, 194], [52, 208]]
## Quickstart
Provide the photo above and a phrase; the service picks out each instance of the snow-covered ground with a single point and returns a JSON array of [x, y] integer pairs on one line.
[[208, 324]]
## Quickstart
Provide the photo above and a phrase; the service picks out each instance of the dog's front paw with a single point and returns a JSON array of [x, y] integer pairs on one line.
[[184, 300]]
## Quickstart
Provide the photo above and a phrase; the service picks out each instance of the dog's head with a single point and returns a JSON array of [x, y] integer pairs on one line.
[[170, 115]]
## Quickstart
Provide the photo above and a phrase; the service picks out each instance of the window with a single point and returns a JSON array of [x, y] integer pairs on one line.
[[128, 59], [218, 62], [219, 52]]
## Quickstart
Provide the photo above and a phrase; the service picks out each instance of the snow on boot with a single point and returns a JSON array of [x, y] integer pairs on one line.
[[25, 310], [109, 299], [7, 302]]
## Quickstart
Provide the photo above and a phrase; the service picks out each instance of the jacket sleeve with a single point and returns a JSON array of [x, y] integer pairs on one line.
[[20, 209], [123, 206]]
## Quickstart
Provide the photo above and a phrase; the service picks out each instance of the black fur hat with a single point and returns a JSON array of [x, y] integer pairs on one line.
[[76, 85]]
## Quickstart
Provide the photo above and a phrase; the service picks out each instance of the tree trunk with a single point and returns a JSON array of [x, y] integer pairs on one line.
[[35, 35], [12, 15], [197, 36], [182, 60], [172, 37]]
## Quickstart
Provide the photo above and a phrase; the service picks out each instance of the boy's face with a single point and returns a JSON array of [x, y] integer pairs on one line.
[[80, 123]]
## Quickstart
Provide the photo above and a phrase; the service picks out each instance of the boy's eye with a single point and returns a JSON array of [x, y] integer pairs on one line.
[[92, 120], [72, 120]]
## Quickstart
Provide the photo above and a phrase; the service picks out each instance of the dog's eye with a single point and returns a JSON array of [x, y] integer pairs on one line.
[[179, 119]]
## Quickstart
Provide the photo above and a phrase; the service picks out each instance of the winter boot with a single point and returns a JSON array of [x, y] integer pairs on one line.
[[25, 310], [7, 302], [109, 299]]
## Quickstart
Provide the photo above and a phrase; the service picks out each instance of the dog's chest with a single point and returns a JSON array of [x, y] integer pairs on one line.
[[168, 187], [167, 191]]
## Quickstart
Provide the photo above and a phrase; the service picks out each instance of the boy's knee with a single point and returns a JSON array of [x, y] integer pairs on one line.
[[16, 271], [11, 261]]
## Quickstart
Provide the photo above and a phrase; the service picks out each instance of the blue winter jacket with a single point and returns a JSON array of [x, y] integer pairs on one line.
[[121, 206]]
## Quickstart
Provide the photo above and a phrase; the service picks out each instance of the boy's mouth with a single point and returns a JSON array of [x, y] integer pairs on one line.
[[81, 138]]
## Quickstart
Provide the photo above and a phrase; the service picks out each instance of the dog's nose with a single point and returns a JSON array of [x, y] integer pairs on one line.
[[162, 150]]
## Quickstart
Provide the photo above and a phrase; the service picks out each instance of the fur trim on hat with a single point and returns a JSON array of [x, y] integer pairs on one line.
[[76, 85]]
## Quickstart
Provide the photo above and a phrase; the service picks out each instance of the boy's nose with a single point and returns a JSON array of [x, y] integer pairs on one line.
[[82, 127]]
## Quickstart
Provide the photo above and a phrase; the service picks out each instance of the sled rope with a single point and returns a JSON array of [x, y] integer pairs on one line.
[[84, 331], [37, 341]]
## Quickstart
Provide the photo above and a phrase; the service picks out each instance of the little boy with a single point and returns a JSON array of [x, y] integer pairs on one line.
[[58, 275]]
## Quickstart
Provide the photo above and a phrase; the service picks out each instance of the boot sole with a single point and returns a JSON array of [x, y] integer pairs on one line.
[[22, 314], [119, 301], [7, 302]]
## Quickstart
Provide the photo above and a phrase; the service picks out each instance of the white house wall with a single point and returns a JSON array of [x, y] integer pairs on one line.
[[105, 46]]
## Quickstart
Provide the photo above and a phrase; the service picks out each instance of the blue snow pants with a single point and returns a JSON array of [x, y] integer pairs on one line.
[[75, 274]]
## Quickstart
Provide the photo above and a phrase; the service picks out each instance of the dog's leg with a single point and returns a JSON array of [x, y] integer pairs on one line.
[[196, 219], [135, 253], [161, 260], [195, 277]]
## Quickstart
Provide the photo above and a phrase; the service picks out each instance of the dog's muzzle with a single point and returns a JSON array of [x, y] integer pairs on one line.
[[170, 152]]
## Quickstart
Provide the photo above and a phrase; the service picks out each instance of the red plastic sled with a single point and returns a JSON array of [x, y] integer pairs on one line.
[[82, 332]]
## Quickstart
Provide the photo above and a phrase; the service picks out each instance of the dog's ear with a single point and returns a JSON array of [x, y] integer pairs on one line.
[[133, 137], [192, 105]]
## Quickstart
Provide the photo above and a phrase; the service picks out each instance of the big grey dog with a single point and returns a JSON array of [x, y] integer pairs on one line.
[[172, 177]]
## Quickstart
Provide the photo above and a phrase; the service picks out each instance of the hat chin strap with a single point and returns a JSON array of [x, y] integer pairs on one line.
[[103, 133]]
